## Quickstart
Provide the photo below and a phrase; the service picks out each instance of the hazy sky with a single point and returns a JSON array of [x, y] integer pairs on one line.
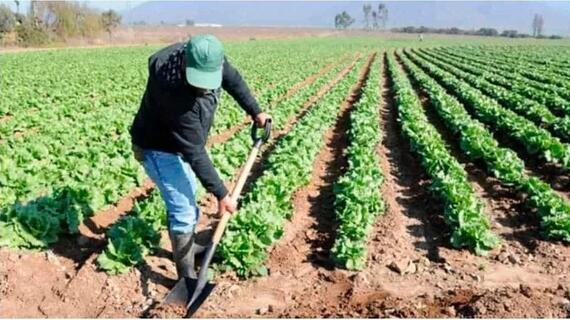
[[464, 14], [118, 5]]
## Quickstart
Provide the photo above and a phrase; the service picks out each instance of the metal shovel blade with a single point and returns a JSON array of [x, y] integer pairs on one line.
[[180, 294], [192, 291], [199, 298], [184, 290]]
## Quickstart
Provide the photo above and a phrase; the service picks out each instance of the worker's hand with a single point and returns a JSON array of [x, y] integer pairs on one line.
[[261, 118], [226, 205]]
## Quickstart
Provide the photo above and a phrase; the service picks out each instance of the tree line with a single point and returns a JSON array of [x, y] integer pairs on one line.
[[49, 21], [377, 17], [487, 32], [537, 31]]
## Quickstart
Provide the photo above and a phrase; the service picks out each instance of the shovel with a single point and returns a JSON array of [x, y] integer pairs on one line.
[[193, 291]]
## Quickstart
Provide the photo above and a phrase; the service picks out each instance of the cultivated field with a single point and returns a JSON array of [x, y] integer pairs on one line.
[[403, 178]]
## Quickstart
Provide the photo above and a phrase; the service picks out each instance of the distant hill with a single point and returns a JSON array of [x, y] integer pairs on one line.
[[466, 15]]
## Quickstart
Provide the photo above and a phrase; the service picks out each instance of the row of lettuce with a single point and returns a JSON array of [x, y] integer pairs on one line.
[[464, 211], [265, 209], [532, 108], [358, 200], [556, 98], [535, 139], [509, 62], [547, 57], [478, 144]]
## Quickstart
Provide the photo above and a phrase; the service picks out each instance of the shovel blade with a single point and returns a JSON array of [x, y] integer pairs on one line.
[[197, 303], [182, 292]]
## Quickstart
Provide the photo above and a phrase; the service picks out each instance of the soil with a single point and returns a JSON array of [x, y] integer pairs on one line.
[[412, 271], [6, 117]]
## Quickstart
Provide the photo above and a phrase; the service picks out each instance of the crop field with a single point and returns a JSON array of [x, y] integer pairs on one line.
[[403, 178]]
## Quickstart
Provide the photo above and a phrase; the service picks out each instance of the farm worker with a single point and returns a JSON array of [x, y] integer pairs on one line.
[[171, 127]]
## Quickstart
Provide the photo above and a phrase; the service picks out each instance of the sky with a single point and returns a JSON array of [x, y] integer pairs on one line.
[[473, 15], [118, 5], [115, 5]]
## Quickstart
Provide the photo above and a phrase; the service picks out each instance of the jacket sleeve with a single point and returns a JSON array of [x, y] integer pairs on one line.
[[235, 85], [188, 133]]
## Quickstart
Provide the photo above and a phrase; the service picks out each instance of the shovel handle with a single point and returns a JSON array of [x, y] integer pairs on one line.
[[241, 180], [235, 193]]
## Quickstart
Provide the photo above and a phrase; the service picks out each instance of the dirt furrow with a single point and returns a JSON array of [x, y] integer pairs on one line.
[[6, 117], [408, 233], [308, 81]]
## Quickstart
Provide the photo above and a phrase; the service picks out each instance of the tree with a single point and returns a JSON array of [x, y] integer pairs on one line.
[[454, 30], [110, 20], [540, 26], [374, 20], [337, 21], [367, 8], [347, 19], [510, 33], [343, 20], [17, 6], [489, 32], [7, 20], [34, 13], [383, 14], [537, 25]]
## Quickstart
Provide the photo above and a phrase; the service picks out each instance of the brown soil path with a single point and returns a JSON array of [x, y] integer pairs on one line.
[[208, 205]]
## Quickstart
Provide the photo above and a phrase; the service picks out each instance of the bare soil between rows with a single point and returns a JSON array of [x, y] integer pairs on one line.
[[412, 270]]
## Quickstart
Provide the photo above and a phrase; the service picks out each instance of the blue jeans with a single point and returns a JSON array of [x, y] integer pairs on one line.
[[177, 184]]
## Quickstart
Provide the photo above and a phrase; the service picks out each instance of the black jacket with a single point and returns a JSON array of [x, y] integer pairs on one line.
[[172, 118]]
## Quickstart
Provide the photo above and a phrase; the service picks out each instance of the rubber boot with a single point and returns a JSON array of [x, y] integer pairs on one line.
[[196, 248], [183, 254]]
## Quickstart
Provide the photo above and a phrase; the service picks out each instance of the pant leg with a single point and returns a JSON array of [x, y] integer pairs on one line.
[[177, 184], [191, 176]]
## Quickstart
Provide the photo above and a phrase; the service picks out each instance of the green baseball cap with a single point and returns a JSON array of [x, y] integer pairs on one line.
[[204, 59]]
